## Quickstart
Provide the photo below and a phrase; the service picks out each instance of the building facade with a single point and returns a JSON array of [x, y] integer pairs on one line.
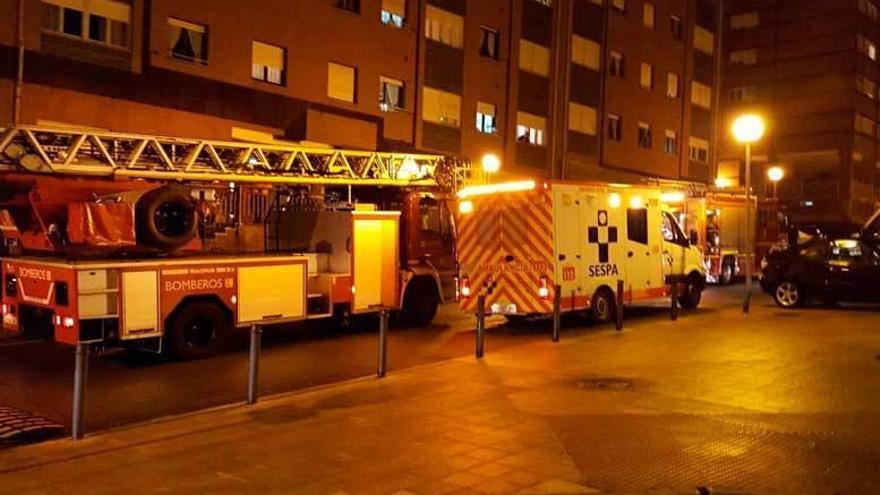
[[810, 68], [579, 89]]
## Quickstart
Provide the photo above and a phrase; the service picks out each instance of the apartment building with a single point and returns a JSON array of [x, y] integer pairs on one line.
[[580, 89], [810, 68]]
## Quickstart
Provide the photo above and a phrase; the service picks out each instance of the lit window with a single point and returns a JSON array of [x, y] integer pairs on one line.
[[530, 128], [585, 52], [704, 40], [672, 85], [619, 5], [615, 127], [341, 81], [444, 27], [648, 15], [441, 107], [865, 125], [534, 58], [391, 96], [744, 21], [867, 47], [645, 135], [742, 94], [489, 42], [189, 41], [100, 21], [615, 65], [670, 145], [701, 95], [675, 26], [582, 118], [268, 62], [485, 118], [393, 12], [698, 150], [866, 86], [744, 57], [646, 76], [349, 5]]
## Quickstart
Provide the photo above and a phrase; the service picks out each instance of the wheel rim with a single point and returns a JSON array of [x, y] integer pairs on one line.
[[198, 332], [787, 294], [171, 219], [602, 308]]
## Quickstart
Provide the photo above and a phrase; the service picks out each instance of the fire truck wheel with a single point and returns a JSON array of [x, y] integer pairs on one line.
[[726, 275], [166, 218], [420, 303], [198, 330], [602, 308], [693, 293]]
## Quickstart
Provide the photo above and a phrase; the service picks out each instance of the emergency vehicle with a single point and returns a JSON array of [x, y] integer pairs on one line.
[[166, 243], [518, 241]]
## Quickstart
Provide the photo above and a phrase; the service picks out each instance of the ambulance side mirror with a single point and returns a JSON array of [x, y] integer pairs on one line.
[[695, 238]]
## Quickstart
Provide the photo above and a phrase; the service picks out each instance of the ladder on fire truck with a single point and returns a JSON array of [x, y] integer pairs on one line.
[[84, 152]]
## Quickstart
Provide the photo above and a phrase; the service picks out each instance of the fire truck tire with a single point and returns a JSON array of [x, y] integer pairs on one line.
[[420, 302], [727, 270], [602, 307], [166, 218], [198, 330], [693, 293]]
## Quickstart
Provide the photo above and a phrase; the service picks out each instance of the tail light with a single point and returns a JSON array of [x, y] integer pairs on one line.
[[465, 287], [4, 308], [544, 290]]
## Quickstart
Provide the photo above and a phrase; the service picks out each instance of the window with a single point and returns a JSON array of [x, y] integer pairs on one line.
[[698, 150], [644, 135], [341, 82], [701, 95], [867, 47], [619, 5], [530, 128], [672, 85], [670, 145], [646, 76], [534, 58], [189, 41], [744, 21], [865, 125], [648, 15], [846, 250], [435, 217], [637, 225], [615, 127], [742, 94], [489, 42], [440, 107], [675, 26], [671, 230], [444, 27], [391, 96], [582, 118], [704, 40], [100, 21], [393, 12], [866, 86], [548, 3], [615, 65], [585, 52], [485, 118], [868, 8], [268, 62], [349, 5], [744, 57]]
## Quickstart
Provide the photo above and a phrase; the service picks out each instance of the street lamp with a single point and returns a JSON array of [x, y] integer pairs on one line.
[[491, 163], [748, 129], [775, 174]]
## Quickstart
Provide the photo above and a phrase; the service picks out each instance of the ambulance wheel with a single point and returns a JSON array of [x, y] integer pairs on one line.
[[726, 275], [420, 303], [602, 307], [693, 293], [198, 330]]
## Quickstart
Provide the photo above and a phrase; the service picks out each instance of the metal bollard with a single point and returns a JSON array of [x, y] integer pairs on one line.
[[253, 391], [557, 312], [80, 379], [481, 325], [673, 314], [618, 308], [383, 343]]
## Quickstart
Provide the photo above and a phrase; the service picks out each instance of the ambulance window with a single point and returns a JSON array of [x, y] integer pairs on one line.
[[671, 231], [637, 225]]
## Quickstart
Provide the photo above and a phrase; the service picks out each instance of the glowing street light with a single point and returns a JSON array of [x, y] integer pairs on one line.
[[775, 174], [748, 129], [491, 163]]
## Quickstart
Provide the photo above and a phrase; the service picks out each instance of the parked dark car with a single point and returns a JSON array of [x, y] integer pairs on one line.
[[827, 270]]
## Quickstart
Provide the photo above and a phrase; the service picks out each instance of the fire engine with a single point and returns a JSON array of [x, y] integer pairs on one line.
[[518, 241], [165, 243]]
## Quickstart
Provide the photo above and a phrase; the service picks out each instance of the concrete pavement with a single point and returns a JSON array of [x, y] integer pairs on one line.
[[776, 402]]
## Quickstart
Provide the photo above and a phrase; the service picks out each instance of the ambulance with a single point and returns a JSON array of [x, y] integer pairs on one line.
[[519, 241]]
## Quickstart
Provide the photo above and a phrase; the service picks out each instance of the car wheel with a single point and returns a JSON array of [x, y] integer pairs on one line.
[[787, 294], [602, 308]]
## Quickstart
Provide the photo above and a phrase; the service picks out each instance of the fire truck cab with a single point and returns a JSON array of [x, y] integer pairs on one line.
[[519, 241]]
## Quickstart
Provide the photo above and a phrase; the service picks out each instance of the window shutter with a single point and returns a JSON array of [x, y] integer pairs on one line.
[[396, 7], [268, 55], [340, 82], [117, 11]]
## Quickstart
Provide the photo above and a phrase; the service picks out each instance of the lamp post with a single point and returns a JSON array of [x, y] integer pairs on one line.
[[775, 174], [748, 129]]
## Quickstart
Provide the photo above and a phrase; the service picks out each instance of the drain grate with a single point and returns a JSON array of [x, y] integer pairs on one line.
[[18, 426], [609, 383]]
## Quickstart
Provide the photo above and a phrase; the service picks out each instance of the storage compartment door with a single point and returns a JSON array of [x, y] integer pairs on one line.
[[270, 293], [376, 266], [140, 304]]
